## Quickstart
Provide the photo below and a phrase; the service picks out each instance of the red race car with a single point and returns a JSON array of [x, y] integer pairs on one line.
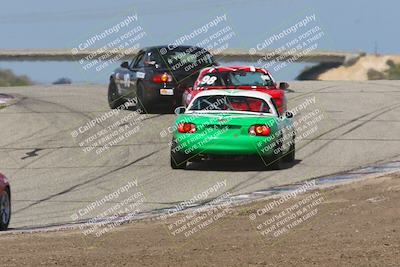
[[5, 203], [238, 77]]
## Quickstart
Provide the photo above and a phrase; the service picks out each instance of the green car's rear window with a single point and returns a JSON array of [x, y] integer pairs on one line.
[[234, 103]]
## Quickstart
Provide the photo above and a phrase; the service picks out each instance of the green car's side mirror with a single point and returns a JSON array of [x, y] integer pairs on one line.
[[288, 114], [180, 110]]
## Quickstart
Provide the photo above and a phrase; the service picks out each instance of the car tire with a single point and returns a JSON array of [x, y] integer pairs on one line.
[[5, 209], [178, 159], [277, 162], [290, 156], [277, 158], [114, 99], [142, 102]]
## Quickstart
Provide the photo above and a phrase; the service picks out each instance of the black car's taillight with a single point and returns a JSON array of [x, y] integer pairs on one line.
[[162, 78]]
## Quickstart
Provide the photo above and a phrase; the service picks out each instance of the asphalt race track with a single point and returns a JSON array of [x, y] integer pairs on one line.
[[52, 177]]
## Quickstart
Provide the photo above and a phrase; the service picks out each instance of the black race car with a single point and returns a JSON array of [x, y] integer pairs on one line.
[[157, 76]]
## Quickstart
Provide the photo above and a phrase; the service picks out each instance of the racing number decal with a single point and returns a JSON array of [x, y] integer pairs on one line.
[[208, 80], [126, 80]]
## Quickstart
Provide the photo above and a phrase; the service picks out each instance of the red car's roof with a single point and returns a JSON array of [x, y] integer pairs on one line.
[[230, 69]]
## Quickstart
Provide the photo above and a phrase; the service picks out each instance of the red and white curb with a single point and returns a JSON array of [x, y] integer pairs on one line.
[[354, 175]]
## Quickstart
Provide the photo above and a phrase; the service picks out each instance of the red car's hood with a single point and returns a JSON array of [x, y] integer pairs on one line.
[[271, 90]]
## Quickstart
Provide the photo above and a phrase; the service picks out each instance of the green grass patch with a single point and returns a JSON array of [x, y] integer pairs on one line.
[[393, 73], [8, 78]]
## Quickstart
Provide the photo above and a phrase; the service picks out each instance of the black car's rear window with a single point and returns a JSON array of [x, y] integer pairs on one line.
[[181, 58]]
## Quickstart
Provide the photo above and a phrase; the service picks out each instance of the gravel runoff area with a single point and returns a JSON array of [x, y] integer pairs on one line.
[[354, 224]]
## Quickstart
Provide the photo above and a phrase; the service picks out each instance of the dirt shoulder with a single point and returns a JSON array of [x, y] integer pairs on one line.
[[353, 225], [359, 70]]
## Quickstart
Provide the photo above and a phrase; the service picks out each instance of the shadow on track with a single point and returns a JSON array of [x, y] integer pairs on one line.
[[234, 165], [157, 109]]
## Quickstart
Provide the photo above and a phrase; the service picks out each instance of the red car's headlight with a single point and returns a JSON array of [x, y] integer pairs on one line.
[[259, 130], [186, 128]]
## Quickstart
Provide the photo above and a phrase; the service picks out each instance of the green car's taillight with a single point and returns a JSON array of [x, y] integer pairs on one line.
[[186, 128], [259, 130]]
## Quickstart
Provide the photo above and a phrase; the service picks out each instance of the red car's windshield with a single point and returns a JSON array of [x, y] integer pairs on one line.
[[236, 78]]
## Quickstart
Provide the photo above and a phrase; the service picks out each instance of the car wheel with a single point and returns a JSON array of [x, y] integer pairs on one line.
[[277, 158], [184, 98], [178, 159], [114, 99], [5, 209], [142, 102], [290, 156]]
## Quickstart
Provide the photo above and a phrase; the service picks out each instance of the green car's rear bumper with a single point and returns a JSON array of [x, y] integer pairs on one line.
[[226, 145]]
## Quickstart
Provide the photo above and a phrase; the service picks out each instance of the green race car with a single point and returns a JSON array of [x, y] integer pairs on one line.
[[232, 124]]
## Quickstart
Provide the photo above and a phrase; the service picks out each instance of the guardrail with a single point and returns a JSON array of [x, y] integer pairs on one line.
[[227, 55]]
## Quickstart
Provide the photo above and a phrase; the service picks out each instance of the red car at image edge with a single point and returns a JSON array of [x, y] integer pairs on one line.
[[238, 77], [5, 203]]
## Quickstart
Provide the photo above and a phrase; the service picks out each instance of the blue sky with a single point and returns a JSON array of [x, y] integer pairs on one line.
[[352, 25]]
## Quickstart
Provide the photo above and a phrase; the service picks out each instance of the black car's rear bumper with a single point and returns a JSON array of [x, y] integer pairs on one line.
[[152, 93]]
